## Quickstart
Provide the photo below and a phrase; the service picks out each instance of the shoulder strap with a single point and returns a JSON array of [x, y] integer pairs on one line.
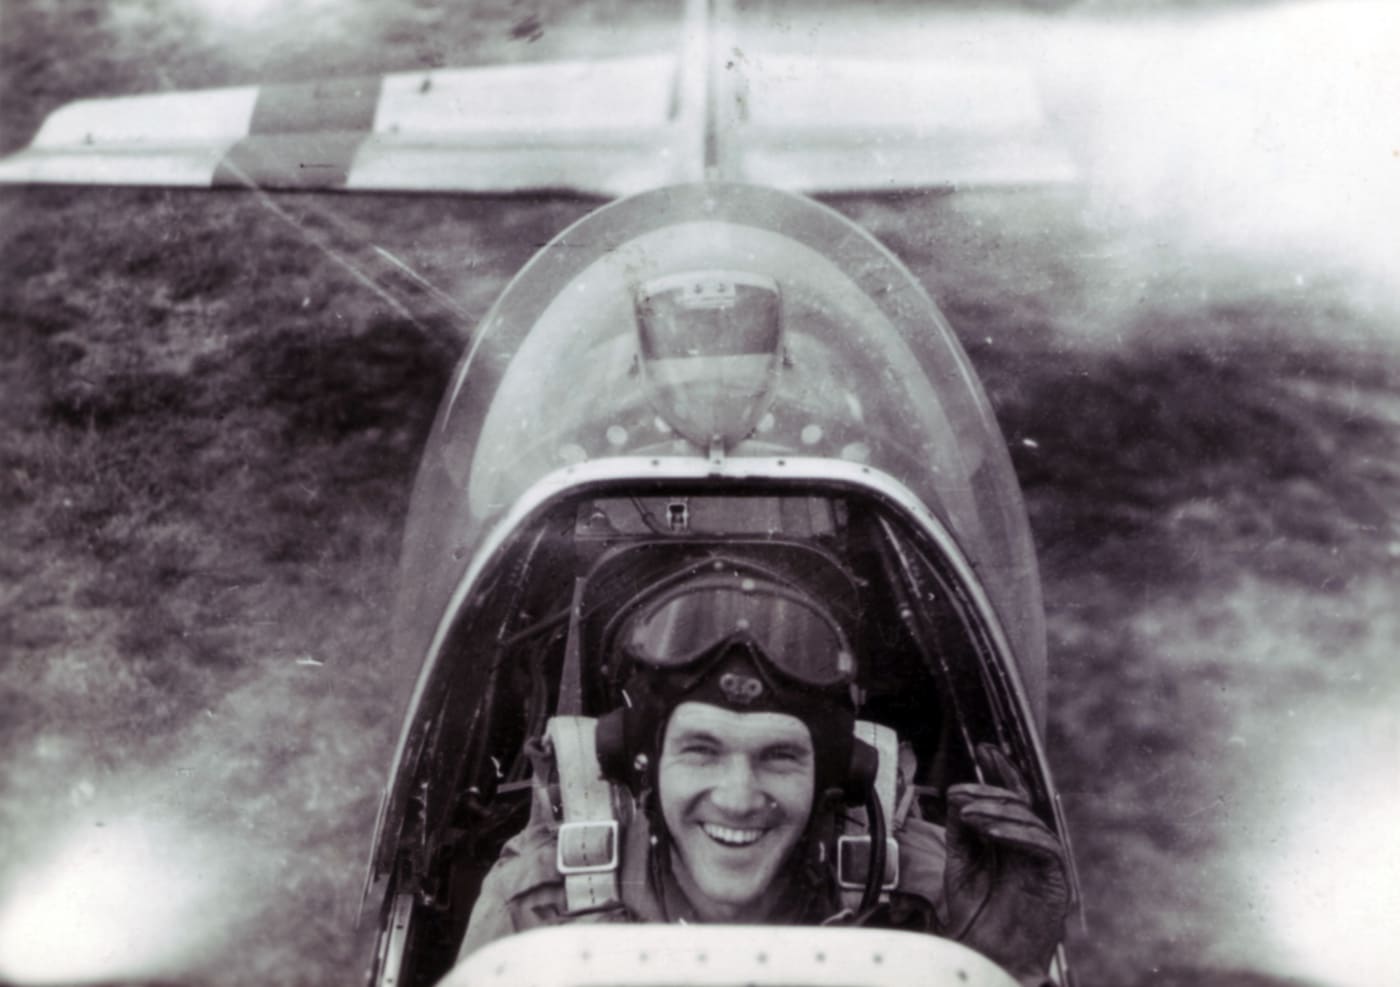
[[853, 846], [886, 742], [588, 846]]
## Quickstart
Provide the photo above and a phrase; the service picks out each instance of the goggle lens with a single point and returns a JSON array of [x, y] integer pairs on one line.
[[797, 637]]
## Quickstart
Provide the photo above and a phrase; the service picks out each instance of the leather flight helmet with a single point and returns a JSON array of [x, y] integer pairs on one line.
[[766, 628]]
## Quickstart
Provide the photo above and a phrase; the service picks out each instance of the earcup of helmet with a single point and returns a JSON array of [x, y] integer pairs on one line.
[[615, 758]]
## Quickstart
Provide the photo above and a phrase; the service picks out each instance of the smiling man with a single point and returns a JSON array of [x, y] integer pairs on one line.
[[735, 740], [736, 793]]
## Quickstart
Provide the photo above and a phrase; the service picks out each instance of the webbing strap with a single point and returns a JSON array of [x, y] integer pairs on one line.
[[589, 846], [886, 743]]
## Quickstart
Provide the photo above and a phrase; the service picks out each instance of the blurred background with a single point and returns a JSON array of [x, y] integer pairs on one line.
[[210, 427]]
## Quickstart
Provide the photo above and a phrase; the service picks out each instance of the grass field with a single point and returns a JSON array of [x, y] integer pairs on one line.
[[210, 429]]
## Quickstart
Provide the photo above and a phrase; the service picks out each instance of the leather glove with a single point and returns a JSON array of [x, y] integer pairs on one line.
[[1006, 882]]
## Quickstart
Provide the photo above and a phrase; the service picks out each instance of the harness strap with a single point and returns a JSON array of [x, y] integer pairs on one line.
[[886, 741], [853, 847], [589, 847]]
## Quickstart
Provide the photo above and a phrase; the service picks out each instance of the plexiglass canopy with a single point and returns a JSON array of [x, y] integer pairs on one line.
[[860, 370]]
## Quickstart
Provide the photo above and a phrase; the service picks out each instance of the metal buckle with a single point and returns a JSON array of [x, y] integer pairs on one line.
[[853, 857], [561, 849]]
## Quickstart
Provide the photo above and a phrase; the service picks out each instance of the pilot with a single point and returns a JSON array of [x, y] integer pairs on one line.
[[736, 735]]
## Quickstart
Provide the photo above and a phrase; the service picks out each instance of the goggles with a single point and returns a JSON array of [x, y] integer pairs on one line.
[[689, 621]]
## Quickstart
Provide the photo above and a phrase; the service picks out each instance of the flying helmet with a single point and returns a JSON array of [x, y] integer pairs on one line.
[[767, 629]]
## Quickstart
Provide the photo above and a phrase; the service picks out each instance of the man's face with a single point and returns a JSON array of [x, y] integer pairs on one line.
[[736, 791]]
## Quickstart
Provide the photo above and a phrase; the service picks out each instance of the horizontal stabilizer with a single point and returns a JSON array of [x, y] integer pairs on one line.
[[600, 127], [833, 125], [604, 127]]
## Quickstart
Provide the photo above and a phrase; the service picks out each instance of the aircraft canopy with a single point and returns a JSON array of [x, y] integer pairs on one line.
[[716, 323]]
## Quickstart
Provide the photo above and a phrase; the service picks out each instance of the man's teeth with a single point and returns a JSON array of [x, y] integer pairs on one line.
[[733, 837]]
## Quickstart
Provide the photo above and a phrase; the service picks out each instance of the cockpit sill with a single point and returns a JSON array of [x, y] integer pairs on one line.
[[720, 956]]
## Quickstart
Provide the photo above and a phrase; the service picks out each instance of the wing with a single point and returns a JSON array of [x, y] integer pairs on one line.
[[607, 127]]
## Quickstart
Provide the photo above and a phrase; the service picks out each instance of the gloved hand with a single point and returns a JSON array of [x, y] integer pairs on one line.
[[1006, 881]]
